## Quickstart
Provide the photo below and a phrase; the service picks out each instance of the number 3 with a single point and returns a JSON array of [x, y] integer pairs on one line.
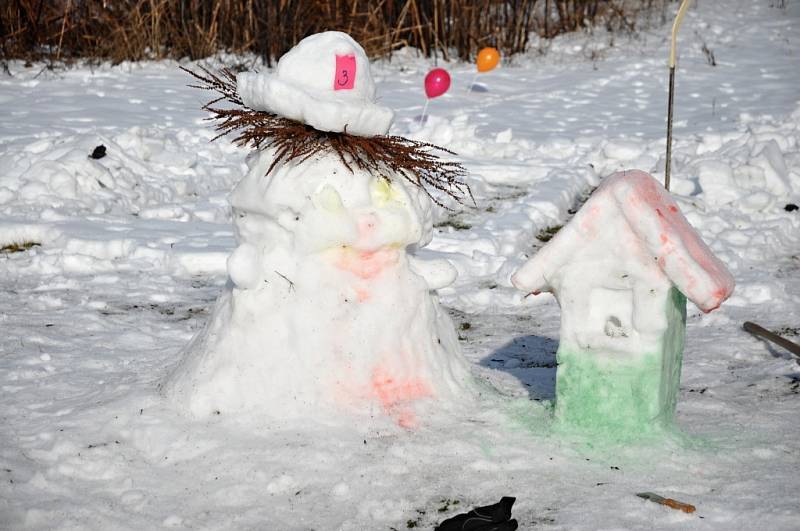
[[345, 73]]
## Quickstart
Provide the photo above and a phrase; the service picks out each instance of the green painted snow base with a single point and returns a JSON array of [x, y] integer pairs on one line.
[[618, 398], [537, 421], [674, 342]]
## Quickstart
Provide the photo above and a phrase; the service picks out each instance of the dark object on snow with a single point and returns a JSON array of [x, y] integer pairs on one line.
[[669, 502], [758, 331], [790, 207], [495, 517], [99, 152]]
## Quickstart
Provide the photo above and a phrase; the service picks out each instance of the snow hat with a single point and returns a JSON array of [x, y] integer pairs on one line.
[[325, 82]]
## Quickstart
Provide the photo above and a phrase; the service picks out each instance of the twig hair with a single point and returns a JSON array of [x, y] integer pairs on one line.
[[387, 156]]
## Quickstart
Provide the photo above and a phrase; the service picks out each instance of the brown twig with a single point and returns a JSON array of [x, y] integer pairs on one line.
[[284, 277], [386, 156]]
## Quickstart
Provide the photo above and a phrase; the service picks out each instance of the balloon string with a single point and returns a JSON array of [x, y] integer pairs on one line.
[[472, 83], [424, 109]]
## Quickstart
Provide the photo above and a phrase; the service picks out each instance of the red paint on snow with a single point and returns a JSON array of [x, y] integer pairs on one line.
[[719, 294], [677, 236], [653, 228], [396, 394]]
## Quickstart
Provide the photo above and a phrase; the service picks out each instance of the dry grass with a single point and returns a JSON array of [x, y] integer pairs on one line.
[[18, 247], [122, 30]]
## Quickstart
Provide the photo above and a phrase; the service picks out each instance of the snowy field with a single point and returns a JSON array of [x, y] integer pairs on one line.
[[130, 255]]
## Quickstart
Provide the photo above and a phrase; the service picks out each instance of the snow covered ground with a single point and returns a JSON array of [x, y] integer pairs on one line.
[[130, 254]]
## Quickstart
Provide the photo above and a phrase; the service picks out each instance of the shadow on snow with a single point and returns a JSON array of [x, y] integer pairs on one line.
[[531, 359]]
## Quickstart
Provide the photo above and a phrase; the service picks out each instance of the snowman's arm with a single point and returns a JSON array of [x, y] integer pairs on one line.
[[438, 272]]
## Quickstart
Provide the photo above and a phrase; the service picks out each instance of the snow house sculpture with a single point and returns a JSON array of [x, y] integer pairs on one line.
[[327, 313], [621, 271]]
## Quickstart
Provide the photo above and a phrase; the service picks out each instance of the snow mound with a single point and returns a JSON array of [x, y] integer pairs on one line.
[[150, 172]]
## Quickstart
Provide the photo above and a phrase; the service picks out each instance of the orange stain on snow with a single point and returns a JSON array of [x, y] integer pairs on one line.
[[362, 294], [396, 394], [718, 296], [365, 264]]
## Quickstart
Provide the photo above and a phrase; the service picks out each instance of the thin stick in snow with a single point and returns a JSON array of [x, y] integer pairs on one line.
[[424, 110], [672, 61]]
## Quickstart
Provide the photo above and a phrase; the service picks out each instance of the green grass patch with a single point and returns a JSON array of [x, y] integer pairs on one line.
[[546, 234]]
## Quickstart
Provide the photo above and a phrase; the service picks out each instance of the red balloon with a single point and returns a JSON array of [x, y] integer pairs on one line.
[[437, 82]]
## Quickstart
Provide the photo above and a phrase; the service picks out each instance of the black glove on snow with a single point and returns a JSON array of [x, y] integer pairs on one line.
[[495, 517]]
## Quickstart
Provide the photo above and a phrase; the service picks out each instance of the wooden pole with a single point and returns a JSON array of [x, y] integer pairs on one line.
[[672, 61]]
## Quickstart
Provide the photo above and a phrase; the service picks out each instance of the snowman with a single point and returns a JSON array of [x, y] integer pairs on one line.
[[327, 314]]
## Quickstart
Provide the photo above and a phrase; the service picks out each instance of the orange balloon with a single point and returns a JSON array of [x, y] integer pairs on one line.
[[488, 59]]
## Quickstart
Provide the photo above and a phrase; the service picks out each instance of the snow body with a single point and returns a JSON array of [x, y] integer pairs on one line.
[[326, 313], [621, 271]]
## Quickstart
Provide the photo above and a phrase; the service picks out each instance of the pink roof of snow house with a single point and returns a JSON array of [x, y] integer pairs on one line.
[[657, 224]]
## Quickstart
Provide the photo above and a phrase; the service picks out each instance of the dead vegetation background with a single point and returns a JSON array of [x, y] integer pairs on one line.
[[130, 30]]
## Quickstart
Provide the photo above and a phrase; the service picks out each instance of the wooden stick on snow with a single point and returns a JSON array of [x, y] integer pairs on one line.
[[758, 331]]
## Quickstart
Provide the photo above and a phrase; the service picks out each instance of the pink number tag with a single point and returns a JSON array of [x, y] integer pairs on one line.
[[345, 72]]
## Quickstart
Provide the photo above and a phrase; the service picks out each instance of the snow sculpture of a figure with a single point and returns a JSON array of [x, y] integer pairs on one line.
[[327, 311]]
